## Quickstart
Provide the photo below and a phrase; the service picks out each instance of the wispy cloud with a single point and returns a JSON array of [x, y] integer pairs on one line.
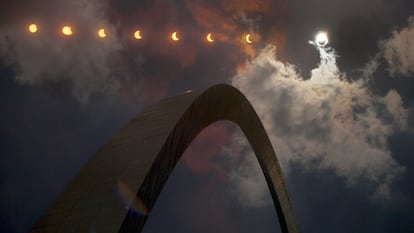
[[83, 59], [398, 50], [321, 122]]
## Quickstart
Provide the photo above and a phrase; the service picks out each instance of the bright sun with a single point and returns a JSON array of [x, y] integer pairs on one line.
[[101, 33], [67, 31], [33, 28], [138, 35], [321, 39]]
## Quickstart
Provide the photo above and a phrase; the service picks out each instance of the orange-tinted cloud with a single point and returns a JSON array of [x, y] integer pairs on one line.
[[260, 6], [189, 58], [200, 156]]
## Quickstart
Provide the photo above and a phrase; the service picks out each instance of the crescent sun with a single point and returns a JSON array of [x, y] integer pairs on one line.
[[101, 33], [248, 40], [137, 35], [209, 38], [174, 36]]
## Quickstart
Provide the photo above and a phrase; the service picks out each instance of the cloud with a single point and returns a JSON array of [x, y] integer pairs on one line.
[[92, 65], [83, 59], [200, 155], [323, 122], [247, 182], [398, 50], [394, 105]]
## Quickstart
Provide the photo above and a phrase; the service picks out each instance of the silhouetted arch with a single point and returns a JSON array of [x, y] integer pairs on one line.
[[144, 153]]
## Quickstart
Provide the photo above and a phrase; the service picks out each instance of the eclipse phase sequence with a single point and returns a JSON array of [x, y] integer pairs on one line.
[[321, 39], [68, 30]]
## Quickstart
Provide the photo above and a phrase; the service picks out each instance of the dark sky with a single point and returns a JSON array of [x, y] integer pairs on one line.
[[340, 117]]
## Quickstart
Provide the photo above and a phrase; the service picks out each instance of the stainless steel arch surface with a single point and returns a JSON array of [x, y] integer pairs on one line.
[[144, 153]]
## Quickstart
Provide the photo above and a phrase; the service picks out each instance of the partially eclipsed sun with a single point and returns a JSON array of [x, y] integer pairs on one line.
[[33, 28], [209, 38], [137, 35], [101, 33], [67, 30], [174, 36], [248, 40]]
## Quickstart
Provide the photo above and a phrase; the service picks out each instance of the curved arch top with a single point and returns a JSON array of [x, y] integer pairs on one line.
[[144, 153]]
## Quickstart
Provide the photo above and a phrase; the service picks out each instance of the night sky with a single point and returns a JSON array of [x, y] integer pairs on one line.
[[340, 117]]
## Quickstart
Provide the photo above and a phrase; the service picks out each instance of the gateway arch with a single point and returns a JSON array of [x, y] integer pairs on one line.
[[144, 153]]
